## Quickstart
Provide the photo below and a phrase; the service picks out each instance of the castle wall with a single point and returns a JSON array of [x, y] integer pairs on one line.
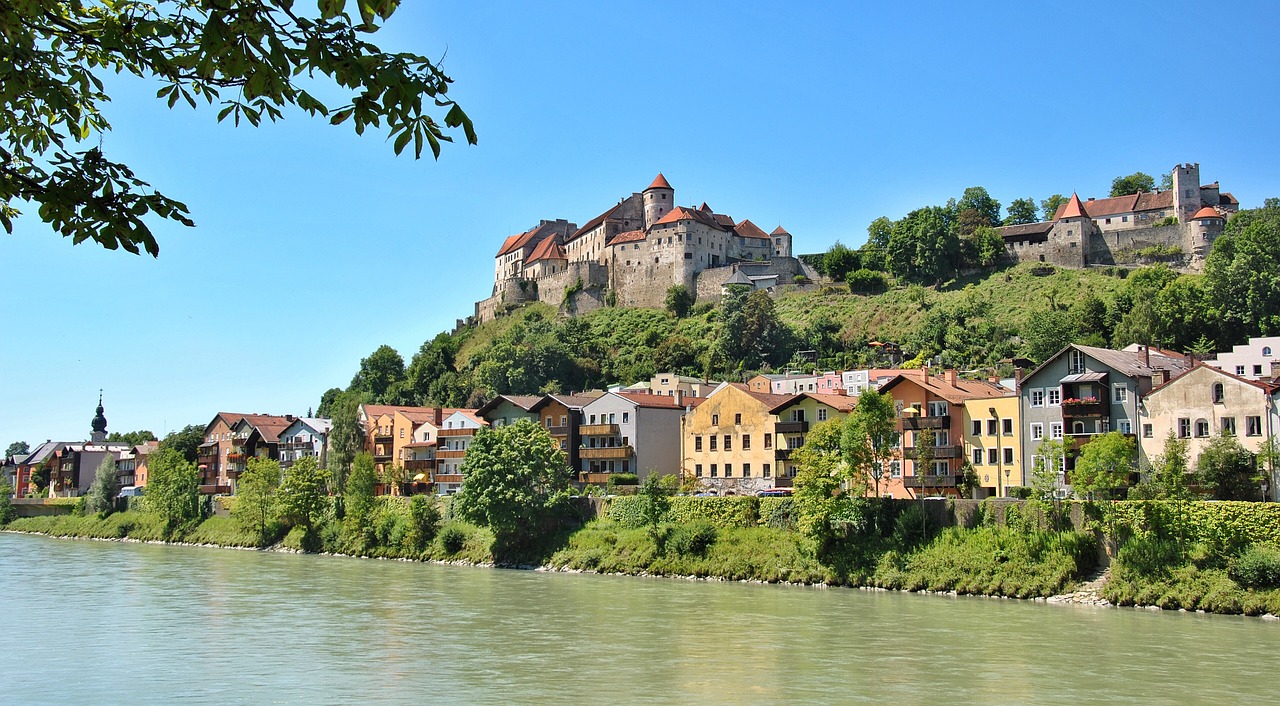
[[710, 282], [1115, 247]]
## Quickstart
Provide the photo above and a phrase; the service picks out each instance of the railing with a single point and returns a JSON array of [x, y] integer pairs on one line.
[[929, 481], [457, 432], [297, 446], [382, 455], [598, 430], [419, 465], [594, 477], [791, 427], [1084, 409], [782, 482], [447, 478], [215, 489], [939, 452], [782, 454], [235, 456], [918, 423], [383, 438], [607, 452], [558, 431], [455, 453]]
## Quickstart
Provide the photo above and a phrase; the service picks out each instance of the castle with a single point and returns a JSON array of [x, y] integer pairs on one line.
[[1179, 224], [633, 252]]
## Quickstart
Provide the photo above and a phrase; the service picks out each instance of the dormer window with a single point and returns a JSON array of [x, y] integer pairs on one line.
[[1075, 362]]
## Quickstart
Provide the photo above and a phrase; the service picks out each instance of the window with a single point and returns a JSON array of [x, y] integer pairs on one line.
[[728, 470], [942, 437], [564, 421], [1119, 393], [1007, 426], [1075, 362], [768, 441], [766, 470], [1202, 428], [941, 468], [1253, 426], [715, 420], [1228, 426], [895, 469], [728, 442], [1055, 430], [1257, 370], [746, 470], [1148, 432], [714, 472], [1239, 370], [1037, 397], [991, 427], [993, 456], [737, 419], [977, 457], [613, 418], [1037, 431], [746, 442], [822, 414], [548, 421], [977, 427], [697, 443], [591, 419], [1054, 396], [713, 438], [1266, 351], [937, 409], [1219, 393], [626, 417], [1126, 426], [1008, 455], [1184, 428]]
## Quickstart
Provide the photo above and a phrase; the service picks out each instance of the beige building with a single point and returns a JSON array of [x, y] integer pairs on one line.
[[1203, 403], [727, 442], [993, 443]]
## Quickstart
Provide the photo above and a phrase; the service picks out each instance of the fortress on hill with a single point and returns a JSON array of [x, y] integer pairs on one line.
[[1177, 225], [633, 252]]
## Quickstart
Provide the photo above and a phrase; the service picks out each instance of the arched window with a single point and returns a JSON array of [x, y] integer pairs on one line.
[[1218, 393], [1266, 350], [1077, 427]]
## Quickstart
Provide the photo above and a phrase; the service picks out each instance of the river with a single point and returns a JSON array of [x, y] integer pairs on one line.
[[108, 622]]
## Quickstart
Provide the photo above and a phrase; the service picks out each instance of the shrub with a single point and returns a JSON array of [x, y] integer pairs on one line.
[[624, 479], [911, 528], [627, 511], [778, 513], [742, 511], [1149, 556], [1256, 567], [866, 281], [7, 512], [424, 520], [452, 539], [693, 539]]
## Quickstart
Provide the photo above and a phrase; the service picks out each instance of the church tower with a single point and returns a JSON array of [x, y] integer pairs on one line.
[[659, 199], [1186, 191], [99, 423]]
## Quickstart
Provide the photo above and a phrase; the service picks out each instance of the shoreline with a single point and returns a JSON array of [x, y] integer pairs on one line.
[[1086, 594]]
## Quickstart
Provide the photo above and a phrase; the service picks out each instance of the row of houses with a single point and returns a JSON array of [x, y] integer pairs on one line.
[[738, 438]]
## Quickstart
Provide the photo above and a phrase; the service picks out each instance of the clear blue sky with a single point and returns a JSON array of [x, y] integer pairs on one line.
[[313, 246]]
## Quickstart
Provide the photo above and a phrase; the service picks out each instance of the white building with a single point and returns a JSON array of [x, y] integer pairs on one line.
[[1253, 360]]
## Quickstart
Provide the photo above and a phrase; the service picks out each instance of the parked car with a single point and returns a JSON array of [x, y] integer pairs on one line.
[[130, 491], [775, 493]]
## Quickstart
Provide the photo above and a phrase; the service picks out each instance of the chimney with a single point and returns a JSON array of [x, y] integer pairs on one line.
[[288, 417], [1146, 356], [1017, 379], [679, 397], [438, 414], [951, 377]]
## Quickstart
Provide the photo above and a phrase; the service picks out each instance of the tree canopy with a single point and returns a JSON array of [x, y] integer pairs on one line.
[[255, 59], [1242, 275], [17, 448], [185, 441], [1021, 212], [1132, 184]]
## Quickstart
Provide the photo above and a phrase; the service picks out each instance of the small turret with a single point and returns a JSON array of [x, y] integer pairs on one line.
[[99, 423], [659, 198]]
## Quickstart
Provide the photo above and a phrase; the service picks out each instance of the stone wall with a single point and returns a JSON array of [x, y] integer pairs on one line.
[[710, 282], [1115, 247]]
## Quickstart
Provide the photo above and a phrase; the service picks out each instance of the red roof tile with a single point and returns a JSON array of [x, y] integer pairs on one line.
[[644, 399], [515, 241], [1071, 210], [630, 236], [747, 229], [659, 183], [548, 249], [1101, 208], [779, 231], [593, 223], [1206, 212]]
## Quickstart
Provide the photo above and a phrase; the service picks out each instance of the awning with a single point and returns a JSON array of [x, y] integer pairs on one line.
[[420, 477], [1084, 377]]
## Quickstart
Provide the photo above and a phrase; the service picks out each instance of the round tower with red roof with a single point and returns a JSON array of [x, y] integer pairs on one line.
[[659, 198]]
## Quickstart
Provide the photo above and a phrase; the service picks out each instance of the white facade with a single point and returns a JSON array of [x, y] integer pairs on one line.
[[1253, 360]]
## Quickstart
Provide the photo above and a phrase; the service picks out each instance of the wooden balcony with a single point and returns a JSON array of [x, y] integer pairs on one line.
[[457, 432], [383, 438], [918, 423], [782, 454], [382, 454], [607, 452], [1096, 408], [598, 430], [558, 431], [420, 465], [447, 478], [791, 427], [783, 481], [929, 481], [210, 489], [594, 478], [454, 453], [235, 457], [939, 452]]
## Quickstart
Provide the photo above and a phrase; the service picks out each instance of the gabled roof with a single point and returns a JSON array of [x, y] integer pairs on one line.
[[548, 249], [1130, 363], [577, 401], [230, 418], [1101, 208], [739, 277], [510, 243], [1025, 229], [747, 229], [1266, 387], [1207, 212], [768, 399], [659, 182], [680, 213], [268, 425], [779, 231], [840, 403], [644, 399], [593, 223], [630, 236], [937, 384], [525, 402]]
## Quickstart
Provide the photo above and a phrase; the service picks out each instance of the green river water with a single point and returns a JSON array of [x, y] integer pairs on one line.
[[108, 622]]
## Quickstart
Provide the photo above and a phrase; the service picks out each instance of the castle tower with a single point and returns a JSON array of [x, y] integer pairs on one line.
[[99, 423], [1186, 191], [1205, 225], [1071, 234], [659, 198]]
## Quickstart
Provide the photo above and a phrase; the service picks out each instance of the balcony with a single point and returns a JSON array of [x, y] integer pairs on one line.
[[447, 478], [451, 453], [929, 481], [939, 452], [1095, 408], [235, 457], [782, 454], [594, 478], [791, 428], [420, 465], [457, 432], [598, 430], [210, 489], [607, 452], [917, 423], [383, 438], [782, 482], [558, 431], [382, 454], [298, 446]]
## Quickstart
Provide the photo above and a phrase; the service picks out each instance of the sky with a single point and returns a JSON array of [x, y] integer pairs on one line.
[[314, 246]]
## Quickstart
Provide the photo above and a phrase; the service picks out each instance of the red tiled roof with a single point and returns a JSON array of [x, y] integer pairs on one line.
[[747, 229], [268, 425], [840, 403], [1227, 198], [1071, 210], [680, 213], [779, 231], [515, 241], [593, 223], [229, 417], [1101, 208], [937, 384], [644, 399], [1206, 212], [660, 182], [768, 399], [548, 249], [630, 236]]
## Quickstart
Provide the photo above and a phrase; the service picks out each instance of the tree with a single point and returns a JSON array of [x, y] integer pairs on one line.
[[345, 437], [873, 254], [679, 300], [303, 498], [839, 261], [1021, 212], [868, 439], [976, 199], [378, 373], [255, 58], [866, 281], [359, 496], [7, 513], [1242, 275], [327, 400], [1132, 184], [1050, 205], [987, 247], [1227, 470], [1047, 332], [924, 246], [186, 441], [516, 476], [104, 489], [256, 497], [17, 448], [133, 438], [654, 502], [1104, 465], [173, 489], [764, 336]]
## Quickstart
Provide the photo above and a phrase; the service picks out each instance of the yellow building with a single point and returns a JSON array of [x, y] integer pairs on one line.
[[727, 441], [993, 443], [795, 417]]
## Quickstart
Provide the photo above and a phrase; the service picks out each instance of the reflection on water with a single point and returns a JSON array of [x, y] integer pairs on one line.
[[105, 622]]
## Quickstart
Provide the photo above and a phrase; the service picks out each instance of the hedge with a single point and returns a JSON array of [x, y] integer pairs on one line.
[[739, 511], [1227, 524]]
